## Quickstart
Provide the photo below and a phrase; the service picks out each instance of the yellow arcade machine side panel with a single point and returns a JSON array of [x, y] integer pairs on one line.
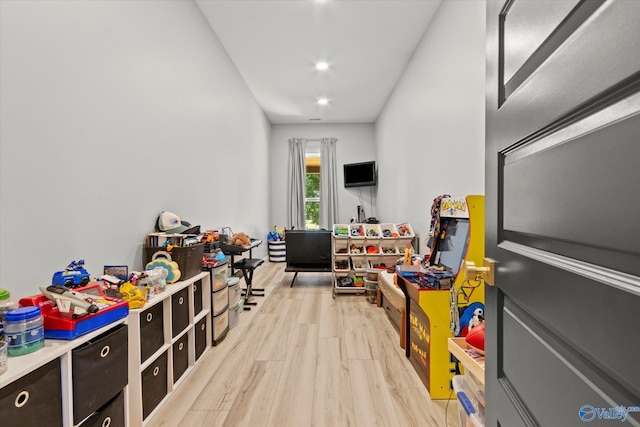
[[430, 318]]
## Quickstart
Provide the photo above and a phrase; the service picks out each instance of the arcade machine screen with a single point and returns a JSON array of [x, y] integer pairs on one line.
[[452, 249]]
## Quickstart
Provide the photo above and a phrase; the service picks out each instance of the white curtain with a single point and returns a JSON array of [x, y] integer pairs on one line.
[[296, 185], [328, 184]]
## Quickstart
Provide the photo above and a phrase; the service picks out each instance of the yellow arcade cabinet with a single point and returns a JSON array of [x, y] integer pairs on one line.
[[460, 238]]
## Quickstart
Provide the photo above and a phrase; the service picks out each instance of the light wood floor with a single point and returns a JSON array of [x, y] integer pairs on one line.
[[301, 358]]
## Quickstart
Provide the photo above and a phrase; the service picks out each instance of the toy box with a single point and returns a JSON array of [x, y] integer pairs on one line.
[[59, 325], [436, 279]]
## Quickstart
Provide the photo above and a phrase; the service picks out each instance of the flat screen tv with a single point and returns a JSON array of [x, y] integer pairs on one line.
[[360, 174], [452, 249]]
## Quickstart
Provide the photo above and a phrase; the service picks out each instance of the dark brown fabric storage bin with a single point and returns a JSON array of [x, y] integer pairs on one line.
[[151, 331], [112, 414], [179, 311], [197, 297], [188, 258], [35, 399], [200, 333], [103, 361], [154, 385], [180, 357]]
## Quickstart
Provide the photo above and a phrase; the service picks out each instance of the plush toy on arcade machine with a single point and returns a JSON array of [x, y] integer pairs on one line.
[[474, 334], [472, 315]]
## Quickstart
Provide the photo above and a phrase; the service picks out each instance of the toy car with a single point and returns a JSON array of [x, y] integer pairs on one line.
[[209, 262], [72, 276]]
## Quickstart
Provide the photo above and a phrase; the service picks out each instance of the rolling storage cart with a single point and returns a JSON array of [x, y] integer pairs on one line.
[[219, 301], [235, 301]]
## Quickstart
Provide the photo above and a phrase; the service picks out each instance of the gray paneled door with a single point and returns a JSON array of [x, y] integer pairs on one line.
[[563, 212]]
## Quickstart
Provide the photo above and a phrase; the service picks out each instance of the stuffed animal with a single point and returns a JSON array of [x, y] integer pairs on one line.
[[467, 315], [478, 317], [240, 239]]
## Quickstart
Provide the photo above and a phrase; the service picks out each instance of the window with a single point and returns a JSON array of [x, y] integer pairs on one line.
[[312, 188]]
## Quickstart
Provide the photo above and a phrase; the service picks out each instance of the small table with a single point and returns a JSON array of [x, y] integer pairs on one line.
[[233, 250], [247, 266]]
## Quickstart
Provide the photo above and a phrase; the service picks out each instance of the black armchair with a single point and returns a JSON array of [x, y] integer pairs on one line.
[[308, 251]]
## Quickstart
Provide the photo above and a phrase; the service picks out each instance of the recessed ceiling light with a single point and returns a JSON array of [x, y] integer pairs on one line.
[[322, 66], [323, 101]]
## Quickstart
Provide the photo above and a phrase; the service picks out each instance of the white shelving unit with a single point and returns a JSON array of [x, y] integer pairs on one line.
[[356, 247], [42, 383], [167, 337]]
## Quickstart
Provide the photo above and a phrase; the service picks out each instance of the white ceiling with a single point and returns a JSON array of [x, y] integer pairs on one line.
[[275, 45]]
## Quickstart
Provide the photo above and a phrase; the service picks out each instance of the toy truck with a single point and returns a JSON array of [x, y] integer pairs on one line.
[[72, 276]]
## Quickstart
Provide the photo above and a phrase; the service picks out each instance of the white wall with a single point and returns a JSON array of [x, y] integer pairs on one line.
[[355, 144], [111, 112], [430, 134]]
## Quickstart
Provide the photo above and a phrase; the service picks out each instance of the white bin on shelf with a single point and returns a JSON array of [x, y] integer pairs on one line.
[[372, 231], [341, 231], [389, 231], [357, 231], [405, 231]]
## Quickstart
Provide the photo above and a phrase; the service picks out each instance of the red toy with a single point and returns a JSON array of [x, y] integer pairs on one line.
[[475, 337], [209, 262], [58, 325]]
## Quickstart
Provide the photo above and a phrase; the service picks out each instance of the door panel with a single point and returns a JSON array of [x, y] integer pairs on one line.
[[565, 79], [529, 35], [562, 209], [553, 369], [579, 183], [583, 314]]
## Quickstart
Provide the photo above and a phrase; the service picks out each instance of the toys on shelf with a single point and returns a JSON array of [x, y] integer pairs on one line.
[[372, 231], [357, 230], [209, 262], [133, 295], [69, 324], [389, 231], [74, 275], [163, 259], [156, 279], [354, 249], [404, 230], [70, 302], [341, 230], [435, 278]]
